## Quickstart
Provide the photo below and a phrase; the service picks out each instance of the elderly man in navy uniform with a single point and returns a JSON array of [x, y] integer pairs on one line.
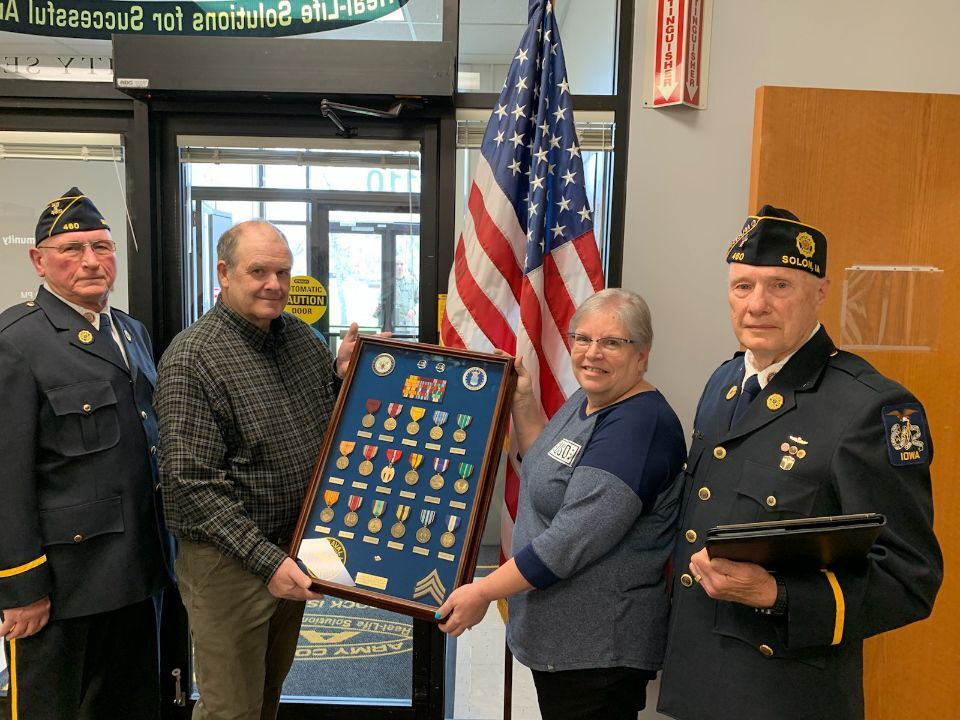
[[81, 540], [794, 428]]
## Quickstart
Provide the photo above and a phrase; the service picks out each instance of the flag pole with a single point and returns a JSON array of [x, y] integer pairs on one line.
[[507, 681]]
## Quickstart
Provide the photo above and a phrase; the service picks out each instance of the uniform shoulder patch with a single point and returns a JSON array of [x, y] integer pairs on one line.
[[905, 430]]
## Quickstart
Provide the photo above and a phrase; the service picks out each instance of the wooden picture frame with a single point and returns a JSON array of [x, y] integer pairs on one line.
[[400, 492]]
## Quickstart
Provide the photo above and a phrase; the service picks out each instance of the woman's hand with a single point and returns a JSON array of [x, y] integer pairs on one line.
[[465, 607], [528, 419]]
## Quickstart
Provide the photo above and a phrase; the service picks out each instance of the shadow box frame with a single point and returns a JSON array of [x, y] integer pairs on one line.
[[358, 377]]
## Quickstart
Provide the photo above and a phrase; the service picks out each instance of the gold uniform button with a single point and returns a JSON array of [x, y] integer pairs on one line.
[[87, 407], [771, 501], [686, 580], [143, 414], [703, 493], [78, 538], [691, 536], [766, 650], [719, 452]]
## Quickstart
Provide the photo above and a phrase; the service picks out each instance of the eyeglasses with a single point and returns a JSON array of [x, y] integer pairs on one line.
[[74, 250], [607, 344]]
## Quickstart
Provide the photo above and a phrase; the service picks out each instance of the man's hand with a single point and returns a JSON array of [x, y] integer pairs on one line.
[[289, 582], [739, 582], [21, 622], [463, 609], [345, 351]]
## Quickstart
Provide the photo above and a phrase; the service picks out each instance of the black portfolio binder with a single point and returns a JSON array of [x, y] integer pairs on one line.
[[796, 544]]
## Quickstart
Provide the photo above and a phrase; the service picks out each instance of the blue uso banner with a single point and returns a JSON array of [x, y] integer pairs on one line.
[[100, 20]]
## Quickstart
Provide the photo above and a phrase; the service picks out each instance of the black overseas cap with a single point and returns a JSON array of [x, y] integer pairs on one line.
[[776, 237], [72, 212]]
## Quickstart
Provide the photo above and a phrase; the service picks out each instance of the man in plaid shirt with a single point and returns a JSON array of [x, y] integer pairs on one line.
[[243, 399]]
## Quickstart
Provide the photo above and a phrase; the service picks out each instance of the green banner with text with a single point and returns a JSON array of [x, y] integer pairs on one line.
[[100, 20]]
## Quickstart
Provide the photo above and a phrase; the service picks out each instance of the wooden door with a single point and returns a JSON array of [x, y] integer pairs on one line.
[[879, 173]]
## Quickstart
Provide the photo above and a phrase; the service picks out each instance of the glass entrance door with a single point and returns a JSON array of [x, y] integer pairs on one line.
[[352, 220]]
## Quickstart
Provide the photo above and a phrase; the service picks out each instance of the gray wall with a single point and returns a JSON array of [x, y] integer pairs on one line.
[[28, 186], [689, 170]]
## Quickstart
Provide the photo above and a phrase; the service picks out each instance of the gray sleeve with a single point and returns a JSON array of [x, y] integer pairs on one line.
[[597, 512]]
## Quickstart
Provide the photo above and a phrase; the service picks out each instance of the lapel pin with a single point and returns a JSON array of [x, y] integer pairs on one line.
[[85, 336]]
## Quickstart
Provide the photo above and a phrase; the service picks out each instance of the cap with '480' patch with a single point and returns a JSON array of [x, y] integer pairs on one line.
[[775, 237], [72, 212]]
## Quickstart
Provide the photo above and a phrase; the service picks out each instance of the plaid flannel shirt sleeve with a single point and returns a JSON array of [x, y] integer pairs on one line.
[[199, 496]]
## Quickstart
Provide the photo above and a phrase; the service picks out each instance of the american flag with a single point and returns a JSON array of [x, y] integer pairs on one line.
[[527, 256]]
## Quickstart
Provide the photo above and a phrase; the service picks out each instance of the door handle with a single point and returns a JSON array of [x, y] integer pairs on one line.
[[179, 697]]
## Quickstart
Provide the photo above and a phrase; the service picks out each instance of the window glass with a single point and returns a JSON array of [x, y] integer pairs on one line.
[[223, 174], [284, 176], [595, 133]]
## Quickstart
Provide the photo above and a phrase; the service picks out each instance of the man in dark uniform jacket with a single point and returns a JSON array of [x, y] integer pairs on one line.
[[81, 541], [794, 428]]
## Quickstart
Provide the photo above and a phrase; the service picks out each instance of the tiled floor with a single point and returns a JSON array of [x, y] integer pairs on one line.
[[479, 679]]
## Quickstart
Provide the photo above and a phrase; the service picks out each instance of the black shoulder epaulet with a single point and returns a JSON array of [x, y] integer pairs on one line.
[[861, 370], [12, 314], [736, 356]]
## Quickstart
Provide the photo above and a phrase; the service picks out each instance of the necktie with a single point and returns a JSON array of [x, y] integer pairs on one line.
[[105, 335], [751, 388]]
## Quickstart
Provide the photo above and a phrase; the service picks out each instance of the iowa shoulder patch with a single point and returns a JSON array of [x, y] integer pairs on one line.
[[905, 428]]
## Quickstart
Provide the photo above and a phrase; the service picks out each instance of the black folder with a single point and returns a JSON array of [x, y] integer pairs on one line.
[[797, 544]]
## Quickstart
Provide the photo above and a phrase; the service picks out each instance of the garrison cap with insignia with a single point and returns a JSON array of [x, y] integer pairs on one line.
[[777, 238], [72, 212]]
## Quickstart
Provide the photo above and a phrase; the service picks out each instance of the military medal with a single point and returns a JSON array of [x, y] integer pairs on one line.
[[398, 529], [330, 497], [464, 470], [369, 452], [412, 475], [440, 466], [439, 418], [393, 409], [416, 414], [448, 539], [372, 407], [375, 522], [426, 518], [386, 475], [351, 518], [346, 447], [460, 434], [383, 364]]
